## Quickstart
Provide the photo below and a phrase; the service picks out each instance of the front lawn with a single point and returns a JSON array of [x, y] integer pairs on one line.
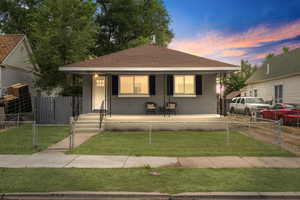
[[177, 143], [139, 180], [19, 140]]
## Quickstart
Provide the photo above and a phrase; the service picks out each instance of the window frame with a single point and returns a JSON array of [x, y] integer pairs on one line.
[[184, 94], [133, 94], [278, 93], [255, 91]]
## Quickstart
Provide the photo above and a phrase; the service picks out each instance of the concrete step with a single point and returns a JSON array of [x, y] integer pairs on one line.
[[87, 122], [86, 130], [90, 125], [89, 118]]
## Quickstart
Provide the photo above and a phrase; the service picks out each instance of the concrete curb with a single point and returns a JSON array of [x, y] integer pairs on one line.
[[151, 195]]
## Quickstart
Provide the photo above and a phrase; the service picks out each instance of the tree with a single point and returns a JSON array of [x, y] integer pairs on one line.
[[285, 49], [128, 23], [62, 33], [269, 56], [237, 80], [15, 15]]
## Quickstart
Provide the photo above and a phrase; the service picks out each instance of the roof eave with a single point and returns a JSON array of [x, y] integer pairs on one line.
[[148, 69]]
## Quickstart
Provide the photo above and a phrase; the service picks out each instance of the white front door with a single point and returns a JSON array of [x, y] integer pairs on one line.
[[99, 86]]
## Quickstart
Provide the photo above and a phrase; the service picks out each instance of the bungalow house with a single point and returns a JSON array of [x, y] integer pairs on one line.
[[124, 81], [277, 80], [15, 65]]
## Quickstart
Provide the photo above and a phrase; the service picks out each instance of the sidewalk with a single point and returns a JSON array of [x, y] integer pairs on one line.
[[60, 160]]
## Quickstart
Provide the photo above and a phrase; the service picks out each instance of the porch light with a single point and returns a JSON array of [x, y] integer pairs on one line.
[[96, 76]]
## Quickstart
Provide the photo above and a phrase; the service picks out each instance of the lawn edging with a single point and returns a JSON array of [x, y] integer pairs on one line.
[[153, 195]]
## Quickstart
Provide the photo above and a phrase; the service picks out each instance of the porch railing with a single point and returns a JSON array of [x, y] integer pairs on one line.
[[102, 113]]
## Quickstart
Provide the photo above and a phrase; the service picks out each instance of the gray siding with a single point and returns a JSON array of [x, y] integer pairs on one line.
[[202, 104], [87, 94]]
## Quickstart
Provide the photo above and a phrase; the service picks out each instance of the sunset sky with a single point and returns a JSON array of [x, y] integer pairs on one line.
[[231, 30]]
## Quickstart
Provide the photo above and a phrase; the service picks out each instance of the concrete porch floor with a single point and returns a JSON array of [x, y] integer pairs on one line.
[[159, 118], [161, 122]]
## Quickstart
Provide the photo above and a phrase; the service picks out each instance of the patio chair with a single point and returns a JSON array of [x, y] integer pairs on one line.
[[150, 108], [171, 108]]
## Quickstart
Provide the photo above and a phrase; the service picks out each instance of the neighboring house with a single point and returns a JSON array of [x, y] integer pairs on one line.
[[277, 80], [127, 79], [15, 65]]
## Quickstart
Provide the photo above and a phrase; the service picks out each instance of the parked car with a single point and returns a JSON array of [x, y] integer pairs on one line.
[[288, 113], [247, 105]]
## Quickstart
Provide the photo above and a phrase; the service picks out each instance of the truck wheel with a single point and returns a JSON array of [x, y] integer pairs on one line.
[[247, 112], [232, 110]]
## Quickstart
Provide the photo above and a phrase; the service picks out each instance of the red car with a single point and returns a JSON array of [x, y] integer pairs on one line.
[[282, 111], [292, 118]]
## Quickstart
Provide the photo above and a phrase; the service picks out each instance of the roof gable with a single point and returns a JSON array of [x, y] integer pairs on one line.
[[8, 43], [279, 66], [149, 56]]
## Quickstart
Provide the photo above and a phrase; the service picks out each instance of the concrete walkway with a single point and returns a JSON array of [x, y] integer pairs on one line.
[[60, 160], [64, 145]]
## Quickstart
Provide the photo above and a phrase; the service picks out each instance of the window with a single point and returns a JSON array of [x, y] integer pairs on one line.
[[184, 85], [250, 93], [134, 85], [278, 93], [277, 106], [255, 100], [233, 100], [238, 100], [242, 101], [255, 92]]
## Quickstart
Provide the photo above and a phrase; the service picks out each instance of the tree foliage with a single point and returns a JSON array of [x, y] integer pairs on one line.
[[15, 15], [128, 23], [66, 31], [237, 80], [285, 49], [62, 33]]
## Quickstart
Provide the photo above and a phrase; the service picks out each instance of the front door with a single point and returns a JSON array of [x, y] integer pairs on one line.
[[99, 85]]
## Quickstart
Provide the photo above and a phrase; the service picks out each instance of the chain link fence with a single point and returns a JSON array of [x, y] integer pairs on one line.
[[20, 134], [257, 138]]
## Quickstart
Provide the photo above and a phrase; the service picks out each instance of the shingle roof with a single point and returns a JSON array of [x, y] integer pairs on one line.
[[150, 56], [8, 43], [281, 65]]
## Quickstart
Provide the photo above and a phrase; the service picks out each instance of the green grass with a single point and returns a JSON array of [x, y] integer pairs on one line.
[[139, 180], [181, 143], [19, 140]]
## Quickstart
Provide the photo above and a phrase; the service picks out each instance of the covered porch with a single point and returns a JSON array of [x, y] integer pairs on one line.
[[122, 83], [112, 92]]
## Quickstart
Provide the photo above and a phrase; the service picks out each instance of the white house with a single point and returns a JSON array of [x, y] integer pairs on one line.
[[277, 80], [15, 62]]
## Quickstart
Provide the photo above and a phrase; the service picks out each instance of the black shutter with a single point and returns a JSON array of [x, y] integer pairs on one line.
[[199, 85], [170, 85], [115, 85], [152, 84]]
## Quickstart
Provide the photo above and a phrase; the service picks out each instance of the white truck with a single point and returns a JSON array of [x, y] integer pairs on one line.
[[247, 105]]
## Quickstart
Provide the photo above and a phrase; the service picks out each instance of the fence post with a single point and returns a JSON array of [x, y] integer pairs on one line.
[[279, 134], [71, 133], [18, 119], [227, 133], [34, 135], [150, 134]]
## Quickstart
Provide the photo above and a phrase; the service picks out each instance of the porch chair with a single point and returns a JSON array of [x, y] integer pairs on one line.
[[150, 108], [171, 108]]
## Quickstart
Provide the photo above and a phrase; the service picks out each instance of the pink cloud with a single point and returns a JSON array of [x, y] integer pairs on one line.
[[217, 44]]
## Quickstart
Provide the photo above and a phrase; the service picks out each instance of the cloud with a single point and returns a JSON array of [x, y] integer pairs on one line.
[[216, 44]]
